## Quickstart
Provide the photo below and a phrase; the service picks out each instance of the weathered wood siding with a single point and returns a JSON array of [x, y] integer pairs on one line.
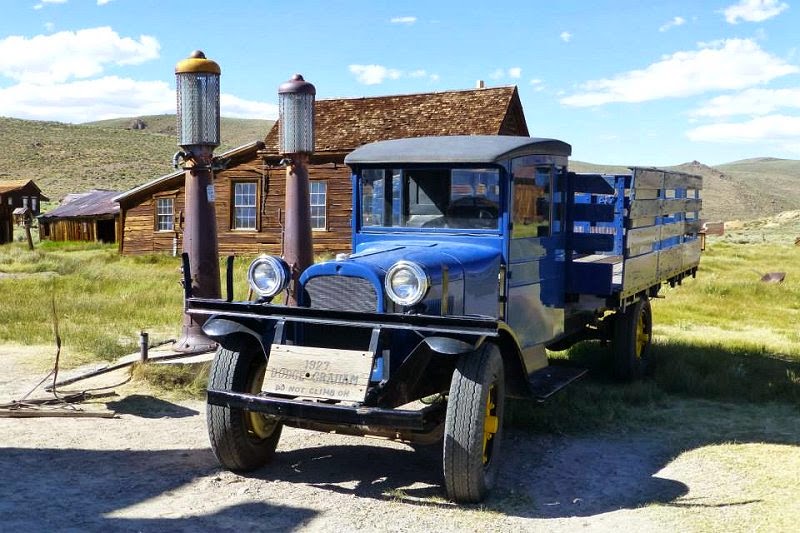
[[139, 221]]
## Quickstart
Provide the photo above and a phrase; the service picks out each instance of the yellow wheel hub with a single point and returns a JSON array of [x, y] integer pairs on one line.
[[491, 424], [257, 423], [642, 336]]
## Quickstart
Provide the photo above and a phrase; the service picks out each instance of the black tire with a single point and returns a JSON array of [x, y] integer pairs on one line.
[[241, 440], [474, 425], [633, 334]]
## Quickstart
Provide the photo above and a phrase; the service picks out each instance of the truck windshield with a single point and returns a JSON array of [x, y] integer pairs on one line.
[[460, 198]]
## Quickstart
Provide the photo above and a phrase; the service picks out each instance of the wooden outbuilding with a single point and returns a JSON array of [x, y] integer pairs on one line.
[[17, 194], [249, 191], [86, 216]]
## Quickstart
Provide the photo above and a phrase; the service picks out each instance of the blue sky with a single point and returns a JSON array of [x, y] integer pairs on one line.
[[624, 82]]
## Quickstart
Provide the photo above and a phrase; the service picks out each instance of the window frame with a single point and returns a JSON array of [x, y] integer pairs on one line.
[[256, 206], [156, 214], [324, 205]]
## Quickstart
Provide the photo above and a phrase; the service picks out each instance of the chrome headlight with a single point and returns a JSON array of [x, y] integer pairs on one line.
[[406, 283], [268, 275]]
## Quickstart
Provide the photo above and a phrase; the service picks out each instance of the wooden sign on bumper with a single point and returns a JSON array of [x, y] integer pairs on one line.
[[318, 372]]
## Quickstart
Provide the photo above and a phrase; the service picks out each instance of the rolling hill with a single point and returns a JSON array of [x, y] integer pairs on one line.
[[123, 153], [65, 158]]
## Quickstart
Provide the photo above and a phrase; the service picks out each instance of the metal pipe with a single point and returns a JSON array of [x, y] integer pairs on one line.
[[144, 340], [297, 241], [200, 245]]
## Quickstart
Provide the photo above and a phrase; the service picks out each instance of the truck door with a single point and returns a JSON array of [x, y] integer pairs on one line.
[[535, 308]]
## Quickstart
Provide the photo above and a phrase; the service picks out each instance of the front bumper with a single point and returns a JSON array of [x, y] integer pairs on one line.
[[302, 413]]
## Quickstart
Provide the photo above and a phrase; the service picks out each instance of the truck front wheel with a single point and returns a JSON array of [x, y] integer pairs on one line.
[[474, 424], [241, 440], [633, 334]]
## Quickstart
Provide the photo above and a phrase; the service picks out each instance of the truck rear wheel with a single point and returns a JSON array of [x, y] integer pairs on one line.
[[241, 440], [633, 334], [474, 424]]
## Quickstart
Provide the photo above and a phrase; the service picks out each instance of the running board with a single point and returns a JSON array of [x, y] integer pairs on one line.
[[548, 380]]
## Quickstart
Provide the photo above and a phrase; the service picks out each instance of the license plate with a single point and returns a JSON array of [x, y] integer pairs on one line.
[[318, 372]]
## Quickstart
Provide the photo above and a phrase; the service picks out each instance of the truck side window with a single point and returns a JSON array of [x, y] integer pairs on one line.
[[532, 201]]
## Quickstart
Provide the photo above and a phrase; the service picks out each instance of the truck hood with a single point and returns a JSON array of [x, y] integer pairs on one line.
[[469, 272]]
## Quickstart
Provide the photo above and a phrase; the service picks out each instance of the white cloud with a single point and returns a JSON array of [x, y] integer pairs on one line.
[[110, 97], [374, 74], [676, 21], [566, 36], [537, 84], [86, 100], [782, 129], [722, 65], [235, 107], [41, 4], [49, 26], [499, 73], [102, 2], [61, 56], [750, 102], [401, 20], [753, 10]]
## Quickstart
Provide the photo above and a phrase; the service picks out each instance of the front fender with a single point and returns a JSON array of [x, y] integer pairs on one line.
[[228, 332]]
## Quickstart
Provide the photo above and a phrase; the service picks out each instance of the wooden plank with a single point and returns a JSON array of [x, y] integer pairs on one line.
[[318, 372], [670, 262], [679, 180], [645, 208], [648, 178], [640, 272], [644, 236], [54, 413], [673, 229]]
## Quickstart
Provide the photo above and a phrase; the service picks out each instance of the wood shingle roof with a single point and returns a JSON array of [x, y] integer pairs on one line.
[[345, 124]]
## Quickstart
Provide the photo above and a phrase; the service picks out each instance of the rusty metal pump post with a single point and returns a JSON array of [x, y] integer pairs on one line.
[[198, 134], [296, 117]]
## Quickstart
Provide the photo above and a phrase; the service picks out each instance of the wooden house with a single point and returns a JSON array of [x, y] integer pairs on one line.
[[86, 216], [17, 194], [250, 190]]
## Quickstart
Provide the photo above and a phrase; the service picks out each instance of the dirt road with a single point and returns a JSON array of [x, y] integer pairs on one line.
[[151, 469]]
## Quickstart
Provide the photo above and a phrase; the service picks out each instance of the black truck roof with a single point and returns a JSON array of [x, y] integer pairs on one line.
[[455, 149]]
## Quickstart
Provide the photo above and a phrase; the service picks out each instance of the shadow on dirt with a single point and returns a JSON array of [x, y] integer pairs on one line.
[[149, 407], [88, 485]]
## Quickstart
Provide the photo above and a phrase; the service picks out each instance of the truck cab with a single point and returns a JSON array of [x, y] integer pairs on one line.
[[470, 256]]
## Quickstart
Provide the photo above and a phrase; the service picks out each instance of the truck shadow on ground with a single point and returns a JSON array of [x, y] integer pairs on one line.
[[77, 489], [612, 463]]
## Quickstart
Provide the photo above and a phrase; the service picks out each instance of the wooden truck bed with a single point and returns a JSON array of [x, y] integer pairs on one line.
[[629, 233]]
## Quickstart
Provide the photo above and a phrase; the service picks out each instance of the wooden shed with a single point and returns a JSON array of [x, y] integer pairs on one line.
[[250, 190], [13, 195], [86, 216]]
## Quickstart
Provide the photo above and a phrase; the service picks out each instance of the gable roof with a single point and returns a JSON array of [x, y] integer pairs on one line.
[[8, 186], [177, 177], [347, 123], [85, 204]]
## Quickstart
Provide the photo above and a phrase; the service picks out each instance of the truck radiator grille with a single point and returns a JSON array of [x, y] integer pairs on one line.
[[341, 293]]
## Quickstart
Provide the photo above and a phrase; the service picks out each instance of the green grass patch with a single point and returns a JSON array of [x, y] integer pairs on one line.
[[102, 300]]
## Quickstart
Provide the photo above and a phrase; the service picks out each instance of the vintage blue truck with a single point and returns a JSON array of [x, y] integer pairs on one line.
[[471, 256]]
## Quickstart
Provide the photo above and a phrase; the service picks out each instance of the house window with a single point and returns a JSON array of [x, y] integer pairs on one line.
[[24, 201], [319, 204], [34, 206], [245, 206], [165, 209]]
